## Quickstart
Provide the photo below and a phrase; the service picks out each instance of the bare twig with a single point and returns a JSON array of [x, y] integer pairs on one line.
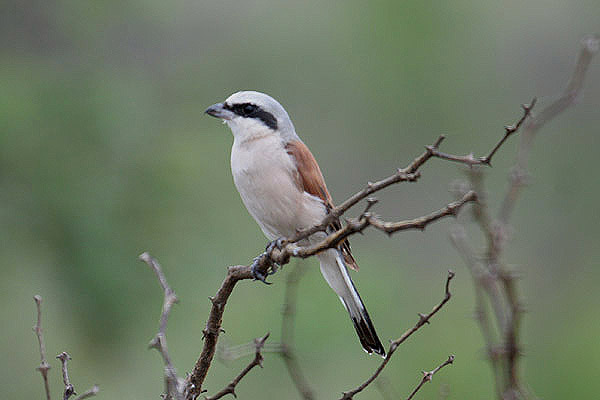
[[408, 174], [211, 333], [173, 384], [428, 375], [287, 333], [44, 366], [423, 319], [471, 160], [492, 279], [89, 393], [367, 219], [289, 248], [257, 361], [589, 47], [193, 383], [69, 389]]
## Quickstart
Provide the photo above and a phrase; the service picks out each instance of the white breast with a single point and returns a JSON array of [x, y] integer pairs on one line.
[[264, 174]]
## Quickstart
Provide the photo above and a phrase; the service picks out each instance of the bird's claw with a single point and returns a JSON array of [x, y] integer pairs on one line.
[[256, 273], [274, 244], [272, 267]]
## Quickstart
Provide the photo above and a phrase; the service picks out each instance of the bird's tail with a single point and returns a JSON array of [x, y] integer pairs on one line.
[[336, 274]]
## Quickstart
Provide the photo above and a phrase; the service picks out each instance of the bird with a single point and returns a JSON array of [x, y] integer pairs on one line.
[[282, 187]]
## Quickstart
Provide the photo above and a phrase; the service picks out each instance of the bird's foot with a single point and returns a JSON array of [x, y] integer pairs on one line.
[[274, 244], [256, 268], [261, 274]]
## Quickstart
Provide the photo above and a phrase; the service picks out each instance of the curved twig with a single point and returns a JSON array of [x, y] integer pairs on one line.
[[428, 375], [423, 319], [257, 361], [173, 385]]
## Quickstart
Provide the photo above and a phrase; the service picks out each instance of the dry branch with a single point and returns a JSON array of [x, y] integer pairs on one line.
[[173, 385], [428, 375], [194, 381], [361, 223], [69, 389], [423, 319], [44, 366], [494, 282], [63, 357], [471, 160], [257, 361], [288, 247]]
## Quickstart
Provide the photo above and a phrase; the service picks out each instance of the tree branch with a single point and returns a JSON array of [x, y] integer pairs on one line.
[[257, 361], [408, 174], [423, 319], [44, 366], [367, 219], [491, 277], [69, 389], [173, 385], [589, 47], [193, 383], [428, 375]]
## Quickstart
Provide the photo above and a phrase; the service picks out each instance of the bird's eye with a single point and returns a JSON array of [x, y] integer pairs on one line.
[[249, 109]]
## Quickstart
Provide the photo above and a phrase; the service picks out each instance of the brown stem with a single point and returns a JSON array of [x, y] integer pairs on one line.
[[194, 381], [257, 361], [428, 375], [423, 319], [69, 389], [173, 388]]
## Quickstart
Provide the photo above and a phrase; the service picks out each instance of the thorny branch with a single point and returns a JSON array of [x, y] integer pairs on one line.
[[63, 357], [257, 361], [470, 160], [289, 248], [69, 389], [173, 385], [359, 224], [428, 375], [493, 281], [423, 319], [194, 381], [44, 366]]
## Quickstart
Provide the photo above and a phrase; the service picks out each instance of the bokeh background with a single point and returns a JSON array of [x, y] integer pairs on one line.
[[105, 152]]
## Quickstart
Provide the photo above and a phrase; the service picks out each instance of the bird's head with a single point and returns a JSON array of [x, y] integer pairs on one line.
[[251, 113]]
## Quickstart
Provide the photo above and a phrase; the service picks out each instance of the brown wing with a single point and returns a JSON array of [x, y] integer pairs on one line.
[[310, 179]]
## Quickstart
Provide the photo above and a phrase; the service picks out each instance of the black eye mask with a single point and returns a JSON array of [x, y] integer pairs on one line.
[[249, 110]]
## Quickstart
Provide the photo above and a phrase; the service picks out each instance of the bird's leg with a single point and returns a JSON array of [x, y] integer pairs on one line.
[[266, 256], [256, 267]]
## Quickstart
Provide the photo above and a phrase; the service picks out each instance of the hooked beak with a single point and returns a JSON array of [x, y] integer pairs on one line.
[[219, 111]]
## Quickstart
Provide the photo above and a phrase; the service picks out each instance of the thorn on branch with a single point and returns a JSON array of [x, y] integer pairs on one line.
[[428, 375], [423, 319]]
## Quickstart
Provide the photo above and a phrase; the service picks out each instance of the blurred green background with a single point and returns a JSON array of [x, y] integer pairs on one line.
[[105, 152]]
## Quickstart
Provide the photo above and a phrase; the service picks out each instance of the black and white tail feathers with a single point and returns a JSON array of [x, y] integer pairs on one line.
[[336, 274]]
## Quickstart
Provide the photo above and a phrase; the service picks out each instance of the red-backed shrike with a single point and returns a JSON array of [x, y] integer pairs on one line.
[[282, 187]]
